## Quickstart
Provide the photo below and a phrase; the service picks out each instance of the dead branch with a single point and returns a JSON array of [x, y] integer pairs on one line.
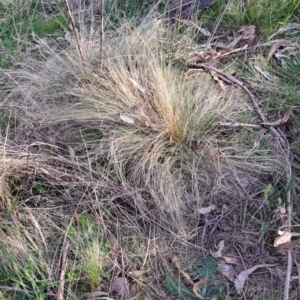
[[231, 79]]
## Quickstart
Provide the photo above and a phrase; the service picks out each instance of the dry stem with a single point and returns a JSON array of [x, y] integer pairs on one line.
[[74, 29], [288, 223], [64, 263]]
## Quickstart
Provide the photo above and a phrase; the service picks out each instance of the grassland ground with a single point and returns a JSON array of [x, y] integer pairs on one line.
[[164, 167]]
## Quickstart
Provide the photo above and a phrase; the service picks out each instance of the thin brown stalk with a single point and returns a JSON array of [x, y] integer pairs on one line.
[[101, 33], [64, 263], [288, 223], [74, 29]]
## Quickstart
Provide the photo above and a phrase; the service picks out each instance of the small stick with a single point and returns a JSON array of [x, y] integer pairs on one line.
[[64, 263], [231, 52], [237, 124], [74, 29], [229, 78], [101, 33]]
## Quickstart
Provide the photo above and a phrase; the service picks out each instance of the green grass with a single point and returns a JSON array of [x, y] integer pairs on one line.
[[19, 29], [92, 251]]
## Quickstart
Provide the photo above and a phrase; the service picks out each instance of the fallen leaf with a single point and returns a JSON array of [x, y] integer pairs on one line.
[[186, 276], [127, 118], [206, 210], [287, 246], [68, 37], [221, 83], [96, 294], [224, 34], [275, 47], [285, 238], [284, 119], [283, 229], [244, 33], [197, 285], [120, 287], [239, 282], [266, 74], [288, 48], [235, 41], [295, 233], [286, 116], [286, 52], [247, 32], [233, 260], [226, 270], [289, 26], [204, 31], [139, 273], [219, 252]]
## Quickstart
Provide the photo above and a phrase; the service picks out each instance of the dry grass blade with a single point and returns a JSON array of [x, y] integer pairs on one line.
[[102, 6]]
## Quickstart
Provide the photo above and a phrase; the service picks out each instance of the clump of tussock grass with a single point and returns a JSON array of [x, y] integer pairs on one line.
[[73, 169], [171, 152]]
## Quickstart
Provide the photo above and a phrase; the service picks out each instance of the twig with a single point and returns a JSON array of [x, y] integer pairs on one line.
[[64, 263], [101, 33], [231, 52], [236, 124], [74, 29], [229, 78]]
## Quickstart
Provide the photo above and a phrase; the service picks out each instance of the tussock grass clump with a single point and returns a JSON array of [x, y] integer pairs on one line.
[[117, 163], [149, 126]]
